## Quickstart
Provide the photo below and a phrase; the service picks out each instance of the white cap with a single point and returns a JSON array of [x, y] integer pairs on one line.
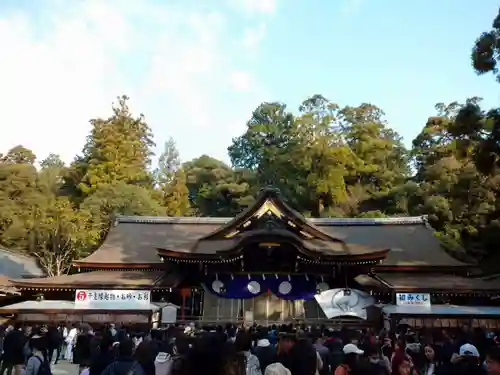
[[468, 349], [352, 349], [162, 357], [277, 369]]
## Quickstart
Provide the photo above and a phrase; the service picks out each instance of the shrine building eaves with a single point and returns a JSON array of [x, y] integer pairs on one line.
[[410, 220]]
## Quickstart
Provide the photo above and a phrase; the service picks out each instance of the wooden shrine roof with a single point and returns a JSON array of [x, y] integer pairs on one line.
[[6, 287], [408, 282], [16, 265], [214, 248], [134, 240], [131, 279]]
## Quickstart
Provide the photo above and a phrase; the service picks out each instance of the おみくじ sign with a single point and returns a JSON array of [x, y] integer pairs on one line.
[[413, 299]]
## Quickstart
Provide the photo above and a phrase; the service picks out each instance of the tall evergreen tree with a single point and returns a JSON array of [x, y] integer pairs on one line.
[[118, 149], [171, 181]]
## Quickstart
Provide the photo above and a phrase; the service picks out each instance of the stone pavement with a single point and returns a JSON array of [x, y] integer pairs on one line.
[[64, 368]]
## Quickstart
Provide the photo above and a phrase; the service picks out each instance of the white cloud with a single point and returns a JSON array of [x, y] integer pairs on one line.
[[176, 65], [253, 36], [240, 81], [350, 7], [267, 7]]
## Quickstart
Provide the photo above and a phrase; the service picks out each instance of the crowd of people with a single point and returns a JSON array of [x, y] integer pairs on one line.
[[231, 350]]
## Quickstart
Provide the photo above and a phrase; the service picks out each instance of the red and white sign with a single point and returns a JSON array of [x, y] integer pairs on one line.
[[92, 299], [81, 296]]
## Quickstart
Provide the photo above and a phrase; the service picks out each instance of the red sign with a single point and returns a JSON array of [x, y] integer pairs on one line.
[[81, 296]]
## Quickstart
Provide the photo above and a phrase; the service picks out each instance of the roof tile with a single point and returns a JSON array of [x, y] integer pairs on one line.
[[106, 279], [134, 240]]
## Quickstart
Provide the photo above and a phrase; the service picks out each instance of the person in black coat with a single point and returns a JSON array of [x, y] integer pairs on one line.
[[13, 351], [264, 350], [54, 343], [82, 352]]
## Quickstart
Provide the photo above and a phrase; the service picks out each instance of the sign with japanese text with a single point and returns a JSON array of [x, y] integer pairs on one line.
[[413, 299], [91, 299]]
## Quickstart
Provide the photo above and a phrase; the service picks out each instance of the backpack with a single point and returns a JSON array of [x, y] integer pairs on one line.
[[44, 368]]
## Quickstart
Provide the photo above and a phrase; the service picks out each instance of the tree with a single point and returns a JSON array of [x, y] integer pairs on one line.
[[18, 194], [176, 195], [322, 157], [60, 234], [120, 198], [168, 162], [270, 139], [217, 190], [118, 149], [171, 182], [52, 161], [454, 192], [19, 155], [486, 50], [381, 161], [51, 175]]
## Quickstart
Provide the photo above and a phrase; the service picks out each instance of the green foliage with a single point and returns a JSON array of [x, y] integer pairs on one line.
[[217, 190], [171, 182], [486, 50], [117, 149]]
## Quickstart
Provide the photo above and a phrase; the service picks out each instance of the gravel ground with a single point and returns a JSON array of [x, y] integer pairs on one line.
[[65, 368]]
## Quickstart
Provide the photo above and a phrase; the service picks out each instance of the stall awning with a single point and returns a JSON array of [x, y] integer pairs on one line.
[[442, 310], [49, 305], [407, 282]]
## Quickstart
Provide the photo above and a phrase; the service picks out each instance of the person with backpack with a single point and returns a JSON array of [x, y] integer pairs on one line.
[[38, 363], [124, 364]]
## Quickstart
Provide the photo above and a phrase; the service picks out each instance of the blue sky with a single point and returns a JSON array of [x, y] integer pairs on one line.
[[197, 68]]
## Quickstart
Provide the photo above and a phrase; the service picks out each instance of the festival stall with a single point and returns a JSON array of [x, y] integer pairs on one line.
[[417, 310], [124, 307]]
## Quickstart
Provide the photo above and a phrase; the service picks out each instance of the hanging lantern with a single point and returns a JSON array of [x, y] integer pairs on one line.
[[253, 287], [285, 287]]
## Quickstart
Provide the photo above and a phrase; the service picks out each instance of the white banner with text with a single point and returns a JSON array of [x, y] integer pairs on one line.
[[93, 299], [413, 299]]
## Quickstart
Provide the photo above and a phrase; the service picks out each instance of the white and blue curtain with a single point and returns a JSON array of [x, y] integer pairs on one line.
[[296, 287]]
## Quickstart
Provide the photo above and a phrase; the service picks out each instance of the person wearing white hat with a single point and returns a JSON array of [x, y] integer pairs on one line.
[[465, 351], [352, 349], [276, 369], [468, 350], [466, 361], [351, 354]]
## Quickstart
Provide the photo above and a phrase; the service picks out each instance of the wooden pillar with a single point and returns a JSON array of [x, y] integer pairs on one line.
[[185, 292]]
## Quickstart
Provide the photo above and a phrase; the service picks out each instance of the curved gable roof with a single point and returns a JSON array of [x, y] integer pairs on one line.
[[134, 239], [17, 266]]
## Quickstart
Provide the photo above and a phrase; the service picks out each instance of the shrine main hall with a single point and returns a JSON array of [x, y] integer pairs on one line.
[[269, 264]]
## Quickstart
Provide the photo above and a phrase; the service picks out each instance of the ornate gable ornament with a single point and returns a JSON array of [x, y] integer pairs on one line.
[[269, 212]]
